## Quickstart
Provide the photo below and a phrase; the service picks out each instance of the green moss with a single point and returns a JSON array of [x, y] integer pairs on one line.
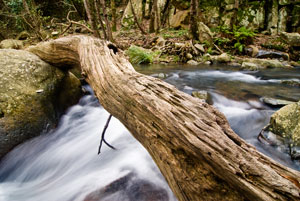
[[138, 55], [172, 33]]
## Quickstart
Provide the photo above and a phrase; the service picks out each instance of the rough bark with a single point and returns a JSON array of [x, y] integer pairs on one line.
[[90, 11], [107, 23], [193, 19], [114, 15], [190, 141]]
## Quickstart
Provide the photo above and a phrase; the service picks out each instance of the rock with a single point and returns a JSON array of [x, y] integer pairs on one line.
[[249, 66], [223, 58], [272, 55], [275, 102], [294, 83], [286, 123], [295, 64], [55, 33], [189, 56], [293, 39], [252, 50], [204, 33], [179, 45], [200, 94], [11, 44], [266, 63], [161, 75], [129, 187], [180, 19], [235, 64], [31, 97], [192, 62], [200, 48], [207, 63]]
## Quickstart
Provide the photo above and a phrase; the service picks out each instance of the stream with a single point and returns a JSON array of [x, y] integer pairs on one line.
[[63, 165]]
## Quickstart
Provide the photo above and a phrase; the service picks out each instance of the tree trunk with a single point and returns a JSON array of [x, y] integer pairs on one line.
[[90, 11], [107, 23], [194, 20], [114, 15], [99, 18], [190, 141], [136, 19]]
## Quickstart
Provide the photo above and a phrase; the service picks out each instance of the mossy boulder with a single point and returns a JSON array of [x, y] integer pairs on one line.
[[264, 63], [31, 96], [286, 123]]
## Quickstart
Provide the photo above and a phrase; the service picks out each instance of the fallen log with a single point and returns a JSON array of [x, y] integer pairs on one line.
[[190, 141]]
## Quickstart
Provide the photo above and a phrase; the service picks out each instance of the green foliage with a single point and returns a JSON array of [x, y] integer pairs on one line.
[[172, 33], [138, 55], [238, 37]]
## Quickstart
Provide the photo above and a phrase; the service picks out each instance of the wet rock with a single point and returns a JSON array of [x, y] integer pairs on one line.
[[286, 123], [192, 62], [30, 100], [129, 188], [161, 75], [272, 55], [249, 66], [223, 58], [207, 63], [204, 33], [201, 95], [266, 63], [293, 39], [11, 44], [294, 83], [275, 102]]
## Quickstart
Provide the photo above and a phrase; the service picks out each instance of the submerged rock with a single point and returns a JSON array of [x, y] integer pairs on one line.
[[33, 94], [201, 95], [275, 102], [294, 83], [129, 187]]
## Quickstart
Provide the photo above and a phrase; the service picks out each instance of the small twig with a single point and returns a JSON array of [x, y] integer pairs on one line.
[[74, 22], [102, 136], [218, 48]]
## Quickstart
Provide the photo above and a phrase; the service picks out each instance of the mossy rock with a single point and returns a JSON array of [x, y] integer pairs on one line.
[[30, 97], [286, 123]]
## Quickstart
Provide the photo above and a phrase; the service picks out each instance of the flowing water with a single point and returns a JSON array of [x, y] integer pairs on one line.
[[63, 164]]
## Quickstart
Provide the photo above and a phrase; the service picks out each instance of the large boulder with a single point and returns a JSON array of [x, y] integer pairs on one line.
[[286, 123], [204, 33], [33, 94]]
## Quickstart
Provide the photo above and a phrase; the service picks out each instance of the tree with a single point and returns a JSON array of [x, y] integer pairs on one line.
[[194, 19], [154, 18], [190, 141], [90, 9]]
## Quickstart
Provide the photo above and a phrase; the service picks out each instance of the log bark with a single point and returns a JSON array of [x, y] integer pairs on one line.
[[190, 141]]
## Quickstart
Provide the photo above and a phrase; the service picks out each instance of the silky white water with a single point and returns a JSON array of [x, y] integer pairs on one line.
[[63, 165]]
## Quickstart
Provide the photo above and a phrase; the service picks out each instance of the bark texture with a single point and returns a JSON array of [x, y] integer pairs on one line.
[[190, 141]]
